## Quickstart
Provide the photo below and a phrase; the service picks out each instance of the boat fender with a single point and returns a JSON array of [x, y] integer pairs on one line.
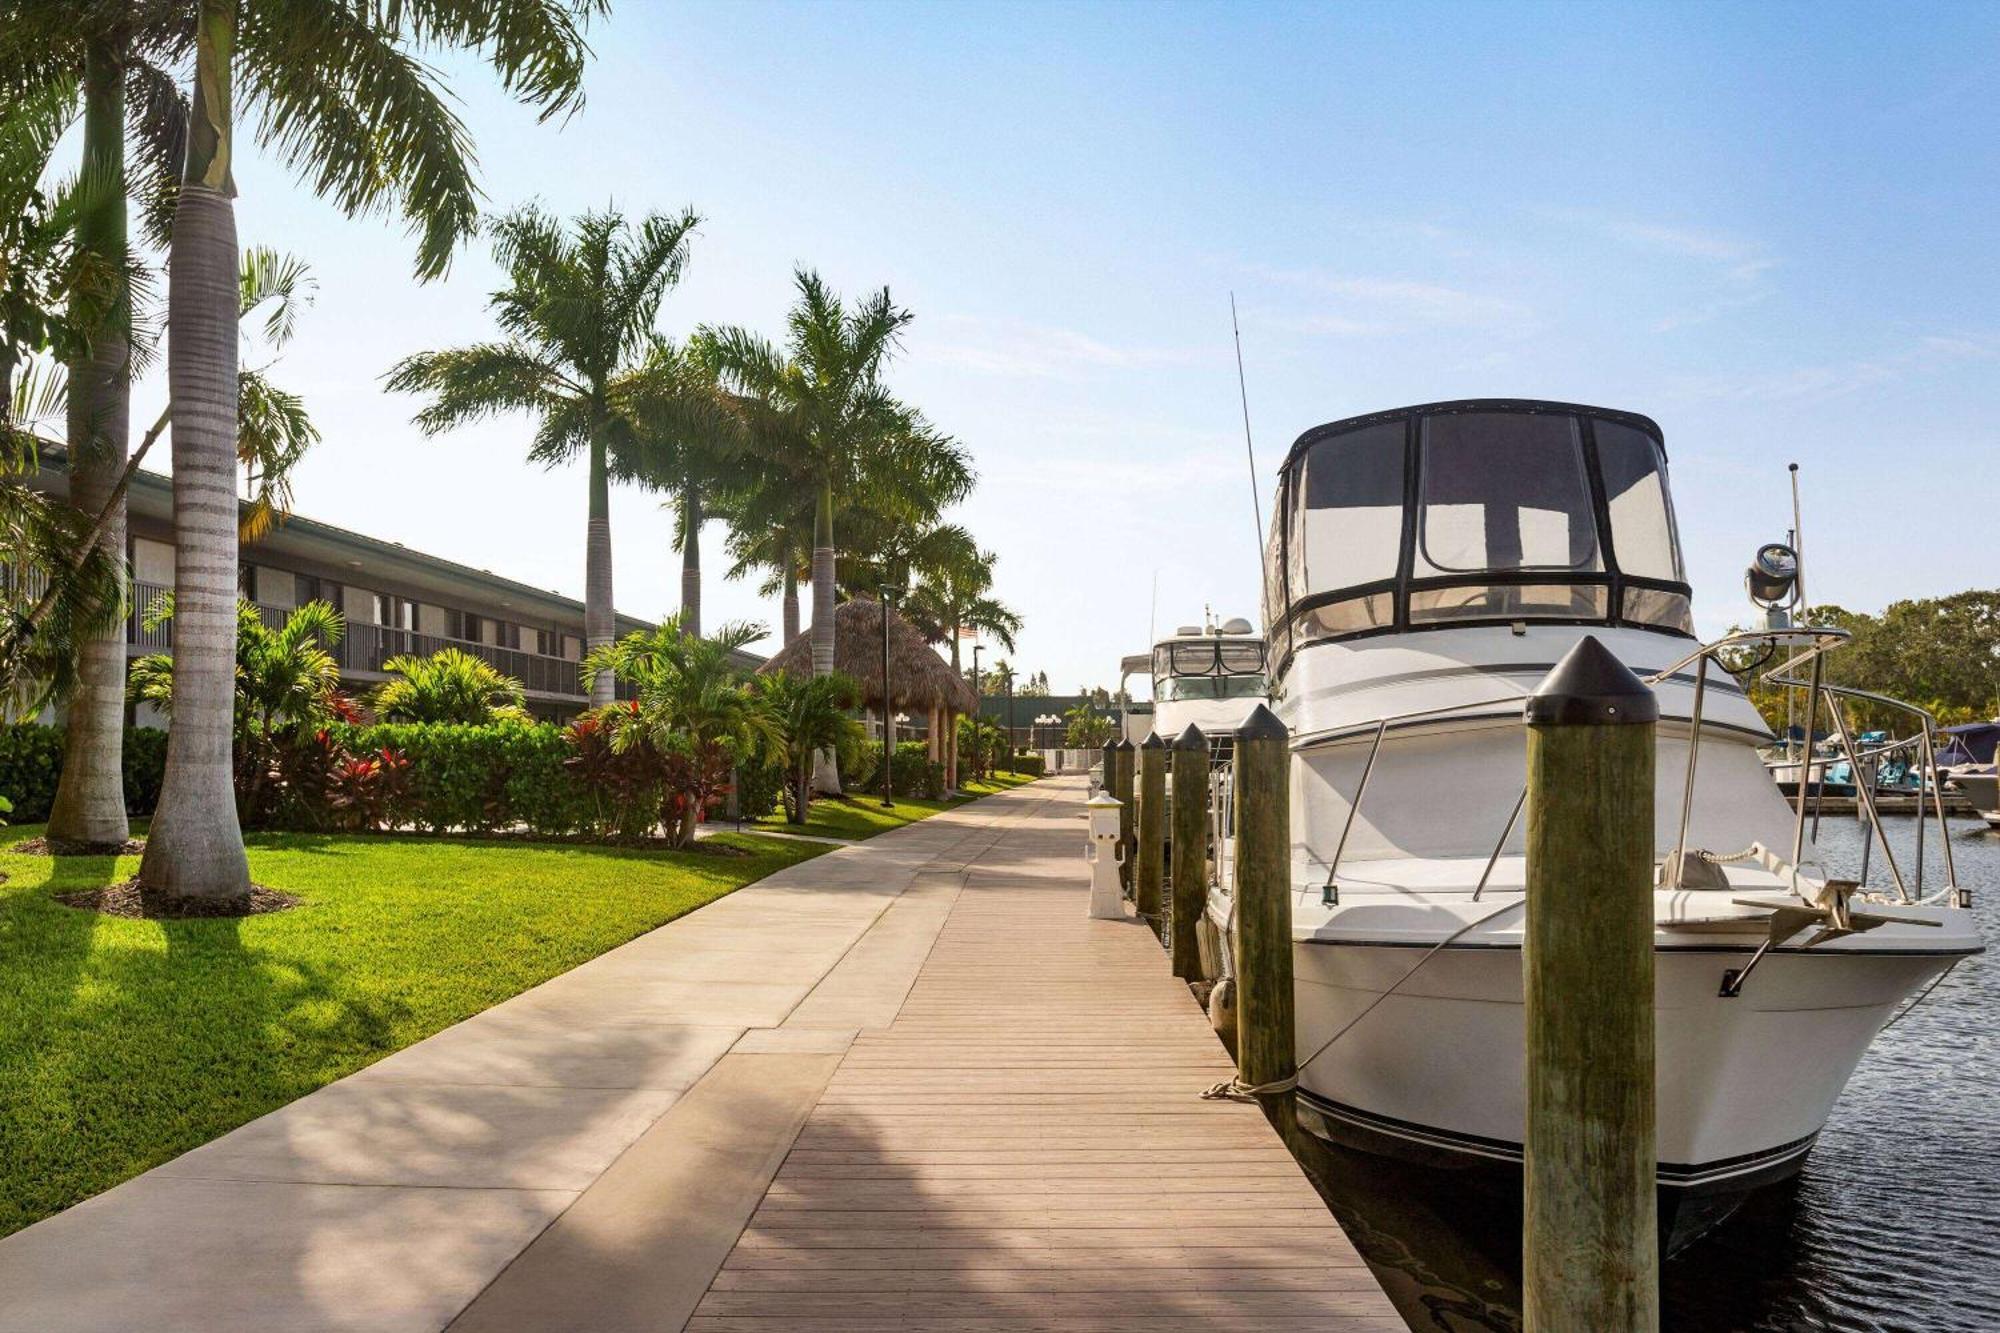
[[1222, 1011]]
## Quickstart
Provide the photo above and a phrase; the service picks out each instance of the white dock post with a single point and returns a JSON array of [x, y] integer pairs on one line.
[[1106, 853]]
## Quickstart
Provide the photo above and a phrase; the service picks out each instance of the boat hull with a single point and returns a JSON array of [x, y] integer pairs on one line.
[[1428, 1065]]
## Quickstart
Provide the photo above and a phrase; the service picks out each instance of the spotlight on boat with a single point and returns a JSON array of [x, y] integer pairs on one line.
[[1773, 576]]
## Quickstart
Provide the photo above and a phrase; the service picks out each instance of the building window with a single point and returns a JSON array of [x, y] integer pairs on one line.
[[395, 612], [548, 643], [246, 582], [311, 589]]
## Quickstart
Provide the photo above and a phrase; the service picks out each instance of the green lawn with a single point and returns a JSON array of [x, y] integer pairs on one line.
[[124, 1042], [858, 816]]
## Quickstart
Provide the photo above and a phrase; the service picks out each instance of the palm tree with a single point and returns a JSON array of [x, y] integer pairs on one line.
[[691, 708], [809, 715], [577, 313], [451, 685], [820, 409], [344, 100], [684, 435], [62, 588], [954, 595]]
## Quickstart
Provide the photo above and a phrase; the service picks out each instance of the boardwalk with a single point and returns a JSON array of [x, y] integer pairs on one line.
[[1023, 1147], [906, 1085]]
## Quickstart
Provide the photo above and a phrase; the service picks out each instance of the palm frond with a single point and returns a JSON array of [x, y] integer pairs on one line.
[[283, 282]]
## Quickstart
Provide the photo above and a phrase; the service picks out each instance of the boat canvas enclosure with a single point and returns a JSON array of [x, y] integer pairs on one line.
[[1474, 511]]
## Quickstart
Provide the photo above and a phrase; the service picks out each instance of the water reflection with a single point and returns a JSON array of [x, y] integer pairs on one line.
[[1893, 1224]]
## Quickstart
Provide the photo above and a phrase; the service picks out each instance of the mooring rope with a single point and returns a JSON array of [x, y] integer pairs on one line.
[[1234, 1089]]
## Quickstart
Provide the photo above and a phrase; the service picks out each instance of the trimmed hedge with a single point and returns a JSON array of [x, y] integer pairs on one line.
[[758, 787], [914, 773], [479, 779], [31, 765], [1030, 764]]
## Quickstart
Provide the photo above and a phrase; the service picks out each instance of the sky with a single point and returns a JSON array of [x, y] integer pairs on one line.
[[1771, 228]]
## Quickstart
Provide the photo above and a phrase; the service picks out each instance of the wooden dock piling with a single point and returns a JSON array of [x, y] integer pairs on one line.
[[1188, 878], [1265, 1050], [1150, 872], [1590, 1257], [1120, 780]]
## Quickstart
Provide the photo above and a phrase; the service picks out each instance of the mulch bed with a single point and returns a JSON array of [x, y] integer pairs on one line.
[[63, 847], [130, 899]]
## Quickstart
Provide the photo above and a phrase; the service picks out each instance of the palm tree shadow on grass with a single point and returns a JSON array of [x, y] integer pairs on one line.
[[136, 1040]]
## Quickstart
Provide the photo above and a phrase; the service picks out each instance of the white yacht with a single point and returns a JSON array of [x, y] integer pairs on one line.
[[1210, 676], [1427, 567]]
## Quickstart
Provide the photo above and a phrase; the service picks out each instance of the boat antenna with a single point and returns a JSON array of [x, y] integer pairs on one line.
[[1249, 450], [1798, 543]]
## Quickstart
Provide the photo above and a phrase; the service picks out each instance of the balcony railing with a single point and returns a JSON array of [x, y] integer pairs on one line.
[[366, 647]]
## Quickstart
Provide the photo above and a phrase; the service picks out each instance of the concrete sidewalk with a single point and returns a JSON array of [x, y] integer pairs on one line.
[[390, 1199]]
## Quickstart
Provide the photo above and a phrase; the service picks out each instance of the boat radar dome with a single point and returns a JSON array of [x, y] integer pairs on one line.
[[1238, 625]]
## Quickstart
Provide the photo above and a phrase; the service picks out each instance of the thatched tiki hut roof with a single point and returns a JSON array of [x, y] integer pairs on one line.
[[920, 680]]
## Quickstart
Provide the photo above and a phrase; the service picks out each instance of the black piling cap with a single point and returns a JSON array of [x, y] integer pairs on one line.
[[1154, 741], [1262, 725], [1191, 739], [1123, 743], [1591, 687]]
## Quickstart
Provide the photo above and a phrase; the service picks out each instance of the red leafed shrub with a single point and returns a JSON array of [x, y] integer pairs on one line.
[[363, 790]]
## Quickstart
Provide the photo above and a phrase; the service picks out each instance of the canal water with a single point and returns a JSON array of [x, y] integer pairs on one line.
[[1893, 1225]]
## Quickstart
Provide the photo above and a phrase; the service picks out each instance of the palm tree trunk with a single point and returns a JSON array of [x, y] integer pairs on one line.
[[826, 765], [89, 803], [822, 581], [790, 608], [195, 846], [599, 616], [690, 560]]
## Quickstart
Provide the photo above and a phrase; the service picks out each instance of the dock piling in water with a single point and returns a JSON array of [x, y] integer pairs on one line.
[[1265, 1052], [1151, 871], [1187, 879], [1590, 1255], [1120, 780]]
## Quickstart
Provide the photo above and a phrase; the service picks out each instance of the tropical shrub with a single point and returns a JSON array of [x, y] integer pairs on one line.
[[804, 715], [1087, 730], [1029, 764], [287, 691], [981, 745], [365, 791], [691, 721], [451, 685]]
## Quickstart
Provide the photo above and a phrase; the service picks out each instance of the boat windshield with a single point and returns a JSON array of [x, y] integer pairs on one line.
[[1469, 512], [1209, 669]]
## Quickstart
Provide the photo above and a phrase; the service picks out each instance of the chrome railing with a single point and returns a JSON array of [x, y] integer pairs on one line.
[[1811, 645]]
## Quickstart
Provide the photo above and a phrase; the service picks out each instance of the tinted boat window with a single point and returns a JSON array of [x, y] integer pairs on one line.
[[1504, 491], [1350, 524], [1635, 487]]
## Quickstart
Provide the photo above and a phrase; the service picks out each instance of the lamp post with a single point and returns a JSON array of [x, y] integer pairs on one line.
[[1009, 678], [891, 589]]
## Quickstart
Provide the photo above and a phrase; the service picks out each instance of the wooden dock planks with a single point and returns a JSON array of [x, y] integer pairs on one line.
[[1025, 1149]]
